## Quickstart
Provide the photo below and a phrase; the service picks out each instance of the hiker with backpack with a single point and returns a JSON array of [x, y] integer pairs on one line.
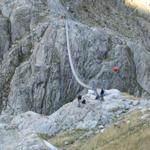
[[81, 100], [102, 94]]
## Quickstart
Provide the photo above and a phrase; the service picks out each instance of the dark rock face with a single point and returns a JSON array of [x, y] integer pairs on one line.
[[34, 68], [4, 36]]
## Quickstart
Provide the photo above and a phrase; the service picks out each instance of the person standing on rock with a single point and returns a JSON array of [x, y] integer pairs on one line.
[[79, 100], [102, 94]]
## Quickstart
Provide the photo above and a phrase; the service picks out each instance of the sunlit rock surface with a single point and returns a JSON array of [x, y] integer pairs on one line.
[[22, 131]]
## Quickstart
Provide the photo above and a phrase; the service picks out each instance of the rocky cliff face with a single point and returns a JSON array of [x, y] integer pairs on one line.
[[27, 130], [34, 68]]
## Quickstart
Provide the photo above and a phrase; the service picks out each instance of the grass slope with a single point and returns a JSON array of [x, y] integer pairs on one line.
[[132, 132]]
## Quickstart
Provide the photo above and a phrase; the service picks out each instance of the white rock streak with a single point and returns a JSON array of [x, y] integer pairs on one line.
[[50, 146], [71, 62]]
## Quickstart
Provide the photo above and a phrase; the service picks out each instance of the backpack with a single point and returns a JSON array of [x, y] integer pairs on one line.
[[84, 101]]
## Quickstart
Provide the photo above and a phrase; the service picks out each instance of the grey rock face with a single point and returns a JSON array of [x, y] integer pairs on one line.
[[4, 36], [35, 73], [45, 79], [23, 131], [24, 15], [70, 116]]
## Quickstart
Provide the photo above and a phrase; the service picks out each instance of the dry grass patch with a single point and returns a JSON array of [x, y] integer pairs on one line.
[[132, 97], [131, 132], [132, 135], [67, 138], [143, 5]]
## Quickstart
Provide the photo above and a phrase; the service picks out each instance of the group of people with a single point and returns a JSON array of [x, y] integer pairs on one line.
[[80, 100], [100, 97]]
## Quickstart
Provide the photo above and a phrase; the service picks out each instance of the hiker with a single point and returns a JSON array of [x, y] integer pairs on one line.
[[102, 94], [79, 100], [83, 101]]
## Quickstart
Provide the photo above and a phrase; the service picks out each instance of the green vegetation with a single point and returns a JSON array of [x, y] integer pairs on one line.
[[23, 58], [131, 132], [64, 1], [63, 139], [44, 136], [67, 138], [128, 96], [40, 19], [110, 44], [105, 14]]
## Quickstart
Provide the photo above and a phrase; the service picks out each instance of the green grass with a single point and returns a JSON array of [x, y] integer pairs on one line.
[[69, 137], [129, 133], [101, 13], [61, 139], [44, 136], [128, 96]]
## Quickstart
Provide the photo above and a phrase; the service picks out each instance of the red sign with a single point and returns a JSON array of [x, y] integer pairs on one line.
[[115, 69]]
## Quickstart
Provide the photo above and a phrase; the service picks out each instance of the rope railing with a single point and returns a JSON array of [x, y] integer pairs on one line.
[[71, 62]]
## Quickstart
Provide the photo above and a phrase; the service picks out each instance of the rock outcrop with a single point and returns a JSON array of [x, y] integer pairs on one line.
[[23, 131], [35, 74], [4, 36]]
